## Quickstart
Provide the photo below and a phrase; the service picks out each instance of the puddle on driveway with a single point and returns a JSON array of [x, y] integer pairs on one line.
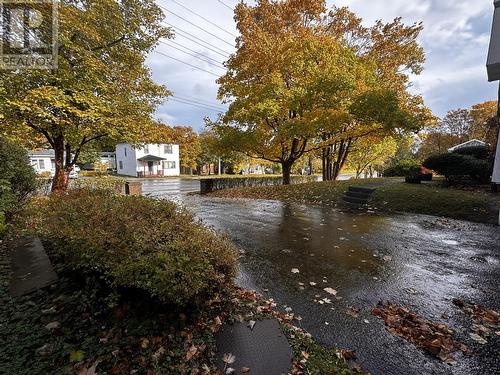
[[419, 261]]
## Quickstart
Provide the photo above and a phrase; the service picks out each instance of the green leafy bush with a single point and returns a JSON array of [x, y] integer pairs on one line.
[[3, 227], [478, 152], [113, 184], [403, 168], [17, 178], [136, 242], [453, 165]]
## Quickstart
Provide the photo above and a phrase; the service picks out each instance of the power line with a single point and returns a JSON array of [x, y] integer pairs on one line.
[[195, 56], [192, 50], [198, 100], [178, 29], [195, 101], [195, 105], [186, 63], [198, 27], [227, 6], [206, 19]]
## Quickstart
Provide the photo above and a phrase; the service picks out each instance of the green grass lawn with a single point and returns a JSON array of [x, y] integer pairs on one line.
[[439, 201], [328, 193], [392, 197]]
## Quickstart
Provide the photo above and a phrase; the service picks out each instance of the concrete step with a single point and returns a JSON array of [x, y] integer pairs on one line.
[[361, 189], [354, 200], [31, 267], [358, 194]]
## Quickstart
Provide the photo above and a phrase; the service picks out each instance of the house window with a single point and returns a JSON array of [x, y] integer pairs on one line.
[[167, 149], [125, 151], [41, 164], [120, 164], [169, 165], [146, 149]]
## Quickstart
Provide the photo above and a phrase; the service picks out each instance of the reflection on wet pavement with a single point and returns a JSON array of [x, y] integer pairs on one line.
[[419, 261]]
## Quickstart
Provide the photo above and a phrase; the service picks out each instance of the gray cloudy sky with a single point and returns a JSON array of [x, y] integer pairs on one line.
[[455, 39]]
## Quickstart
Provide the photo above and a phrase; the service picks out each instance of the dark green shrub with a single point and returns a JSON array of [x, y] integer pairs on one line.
[[403, 168], [213, 184], [17, 178], [413, 180], [479, 169], [453, 165], [136, 242], [478, 152]]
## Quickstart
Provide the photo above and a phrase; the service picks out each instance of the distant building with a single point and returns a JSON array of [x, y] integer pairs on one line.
[[471, 143], [43, 161], [107, 158], [151, 160]]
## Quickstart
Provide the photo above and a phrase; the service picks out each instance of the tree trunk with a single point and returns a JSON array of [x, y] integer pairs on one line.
[[61, 178], [287, 171]]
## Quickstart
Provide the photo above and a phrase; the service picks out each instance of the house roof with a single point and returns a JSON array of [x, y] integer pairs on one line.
[[472, 142], [44, 152], [493, 62], [151, 158]]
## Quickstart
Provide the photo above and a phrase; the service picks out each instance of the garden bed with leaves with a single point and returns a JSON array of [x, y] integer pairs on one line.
[[143, 288], [72, 328]]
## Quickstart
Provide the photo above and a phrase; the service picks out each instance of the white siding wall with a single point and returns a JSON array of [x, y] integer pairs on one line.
[[128, 162], [159, 150], [131, 166], [41, 163], [496, 168]]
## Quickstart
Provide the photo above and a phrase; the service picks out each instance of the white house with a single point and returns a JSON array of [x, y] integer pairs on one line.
[[471, 143], [151, 160], [42, 160]]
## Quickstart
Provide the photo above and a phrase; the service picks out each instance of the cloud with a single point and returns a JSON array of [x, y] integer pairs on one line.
[[455, 37]]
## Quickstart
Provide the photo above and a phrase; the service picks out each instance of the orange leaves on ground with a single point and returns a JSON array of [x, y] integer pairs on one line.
[[437, 339], [485, 320]]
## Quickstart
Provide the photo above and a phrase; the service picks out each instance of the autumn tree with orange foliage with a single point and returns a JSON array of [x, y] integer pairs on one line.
[[295, 86], [394, 49], [101, 90]]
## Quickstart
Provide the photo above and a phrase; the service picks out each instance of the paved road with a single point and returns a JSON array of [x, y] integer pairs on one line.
[[170, 187], [178, 187], [431, 262]]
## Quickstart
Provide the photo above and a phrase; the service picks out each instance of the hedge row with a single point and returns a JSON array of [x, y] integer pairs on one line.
[[403, 168], [213, 184], [17, 179], [470, 162], [136, 242]]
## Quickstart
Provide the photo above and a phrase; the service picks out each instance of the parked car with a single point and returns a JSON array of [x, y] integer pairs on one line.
[[73, 174]]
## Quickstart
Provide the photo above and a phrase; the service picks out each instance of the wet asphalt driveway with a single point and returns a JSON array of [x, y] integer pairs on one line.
[[419, 261]]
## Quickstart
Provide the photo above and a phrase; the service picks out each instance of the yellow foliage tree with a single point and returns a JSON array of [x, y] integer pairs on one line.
[[294, 87]]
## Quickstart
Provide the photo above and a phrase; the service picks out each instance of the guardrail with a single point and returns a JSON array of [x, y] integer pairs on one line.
[[213, 184]]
